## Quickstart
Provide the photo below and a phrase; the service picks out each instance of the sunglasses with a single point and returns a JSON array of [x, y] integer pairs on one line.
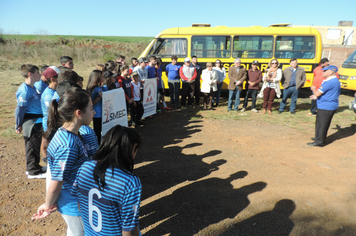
[[274, 63]]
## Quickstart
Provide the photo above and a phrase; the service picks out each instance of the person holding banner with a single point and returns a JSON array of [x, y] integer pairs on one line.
[[160, 86], [125, 83], [142, 72]]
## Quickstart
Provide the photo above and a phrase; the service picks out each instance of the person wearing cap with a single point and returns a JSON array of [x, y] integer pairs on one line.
[[327, 99], [188, 74], [51, 76], [172, 72], [237, 75], [254, 77], [293, 79], [142, 72], [318, 79]]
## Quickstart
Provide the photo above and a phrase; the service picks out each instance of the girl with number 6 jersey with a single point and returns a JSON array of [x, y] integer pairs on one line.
[[108, 194], [66, 154]]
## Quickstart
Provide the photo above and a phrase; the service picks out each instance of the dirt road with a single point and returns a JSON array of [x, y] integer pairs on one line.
[[215, 177]]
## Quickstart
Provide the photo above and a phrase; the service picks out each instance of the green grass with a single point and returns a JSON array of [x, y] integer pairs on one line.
[[300, 121], [120, 39]]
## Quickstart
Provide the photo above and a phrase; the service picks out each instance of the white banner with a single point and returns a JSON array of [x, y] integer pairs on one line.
[[149, 97], [114, 110]]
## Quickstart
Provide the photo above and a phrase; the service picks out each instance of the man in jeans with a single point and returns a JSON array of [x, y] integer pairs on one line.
[[237, 75], [188, 74], [172, 72], [254, 77], [199, 70], [292, 80]]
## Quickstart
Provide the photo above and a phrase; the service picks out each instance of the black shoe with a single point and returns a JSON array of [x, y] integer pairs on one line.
[[280, 112], [140, 123], [313, 139], [292, 112], [313, 144]]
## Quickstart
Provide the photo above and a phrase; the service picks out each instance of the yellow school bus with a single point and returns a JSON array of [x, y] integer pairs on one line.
[[347, 73], [247, 43]]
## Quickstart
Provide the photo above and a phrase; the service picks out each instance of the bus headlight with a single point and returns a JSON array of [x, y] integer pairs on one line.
[[352, 77]]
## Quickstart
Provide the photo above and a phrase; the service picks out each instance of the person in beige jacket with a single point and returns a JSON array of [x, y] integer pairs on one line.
[[237, 75], [209, 86]]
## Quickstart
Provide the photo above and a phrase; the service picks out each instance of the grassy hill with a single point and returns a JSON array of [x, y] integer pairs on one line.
[[85, 50]]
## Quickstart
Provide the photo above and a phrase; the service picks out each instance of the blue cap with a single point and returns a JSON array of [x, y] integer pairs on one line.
[[333, 68]]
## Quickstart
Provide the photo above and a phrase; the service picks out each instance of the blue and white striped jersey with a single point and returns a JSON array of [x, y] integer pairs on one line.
[[66, 154], [90, 140], [113, 210]]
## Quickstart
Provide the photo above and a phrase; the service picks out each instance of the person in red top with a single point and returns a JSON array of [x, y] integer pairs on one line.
[[125, 83], [188, 74], [317, 81]]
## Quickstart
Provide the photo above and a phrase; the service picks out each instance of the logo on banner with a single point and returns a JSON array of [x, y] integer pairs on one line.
[[151, 92], [149, 96], [108, 108]]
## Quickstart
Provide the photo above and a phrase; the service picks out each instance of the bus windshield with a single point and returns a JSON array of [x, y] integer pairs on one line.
[[350, 61], [169, 47]]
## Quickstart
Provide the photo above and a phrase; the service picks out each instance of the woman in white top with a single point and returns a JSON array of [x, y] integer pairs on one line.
[[271, 86], [208, 87], [220, 70]]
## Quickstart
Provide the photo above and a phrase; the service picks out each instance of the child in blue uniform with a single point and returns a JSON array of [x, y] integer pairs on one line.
[[110, 201], [42, 84], [28, 115], [96, 80], [66, 154]]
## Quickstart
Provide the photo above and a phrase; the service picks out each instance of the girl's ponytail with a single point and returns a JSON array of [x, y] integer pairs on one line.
[[54, 120]]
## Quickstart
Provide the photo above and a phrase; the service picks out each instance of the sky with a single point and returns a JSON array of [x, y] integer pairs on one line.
[[144, 18]]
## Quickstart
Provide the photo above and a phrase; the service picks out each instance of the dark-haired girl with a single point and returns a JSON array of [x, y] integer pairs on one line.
[[110, 80], [94, 87], [109, 195], [66, 154]]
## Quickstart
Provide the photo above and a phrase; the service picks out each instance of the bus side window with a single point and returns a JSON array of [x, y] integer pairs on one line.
[[253, 46], [211, 46], [295, 46]]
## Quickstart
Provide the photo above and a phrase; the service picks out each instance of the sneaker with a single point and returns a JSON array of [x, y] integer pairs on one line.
[[243, 109], [254, 110], [311, 114], [38, 176], [167, 108]]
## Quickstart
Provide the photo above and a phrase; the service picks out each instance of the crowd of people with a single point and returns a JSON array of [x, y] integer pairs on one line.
[[54, 113]]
